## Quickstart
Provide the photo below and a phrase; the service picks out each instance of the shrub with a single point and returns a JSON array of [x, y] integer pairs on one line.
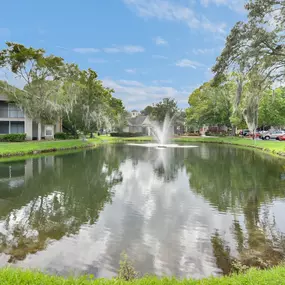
[[126, 135], [61, 136], [65, 136], [13, 138], [127, 271], [193, 134]]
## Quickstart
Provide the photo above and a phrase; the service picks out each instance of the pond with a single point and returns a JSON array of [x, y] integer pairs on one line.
[[183, 212]]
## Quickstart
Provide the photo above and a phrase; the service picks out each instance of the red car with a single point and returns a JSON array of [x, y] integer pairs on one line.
[[281, 138], [257, 135]]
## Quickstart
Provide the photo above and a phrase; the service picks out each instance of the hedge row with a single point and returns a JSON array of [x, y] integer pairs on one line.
[[13, 138], [64, 136], [127, 135]]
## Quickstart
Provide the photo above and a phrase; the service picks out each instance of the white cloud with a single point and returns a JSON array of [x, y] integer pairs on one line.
[[188, 63], [97, 60], [130, 70], [236, 5], [124, 49], [160, 41], [159, 56], [172, 11], [138, 95], [86, 50]]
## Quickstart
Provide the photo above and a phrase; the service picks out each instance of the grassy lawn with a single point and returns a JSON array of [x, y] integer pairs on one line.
[[33, 147], [14, 276], [273, 146]]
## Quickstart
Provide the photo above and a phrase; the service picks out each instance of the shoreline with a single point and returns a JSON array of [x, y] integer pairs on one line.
[[35, 148]]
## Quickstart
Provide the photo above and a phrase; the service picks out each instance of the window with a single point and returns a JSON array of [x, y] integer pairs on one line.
[[17, 128], [14, 111], [49, 131], [4, 128]]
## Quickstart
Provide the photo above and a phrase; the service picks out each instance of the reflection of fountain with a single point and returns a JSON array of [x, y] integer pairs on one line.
[[161, 134]]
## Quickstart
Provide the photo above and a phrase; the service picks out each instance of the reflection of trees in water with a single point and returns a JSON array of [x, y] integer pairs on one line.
[[230, 177], [58, 200], [241, 181]]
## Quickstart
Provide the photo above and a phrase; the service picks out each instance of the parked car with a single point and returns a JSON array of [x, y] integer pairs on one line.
[[244, 133], [272, 135], [281, 138], [257, 135]]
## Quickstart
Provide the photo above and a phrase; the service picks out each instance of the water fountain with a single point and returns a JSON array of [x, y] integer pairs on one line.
[[161, 133]]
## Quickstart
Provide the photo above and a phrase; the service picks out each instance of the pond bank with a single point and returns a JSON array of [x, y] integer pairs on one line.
[[9, 276], [40, 147], [276, 148]]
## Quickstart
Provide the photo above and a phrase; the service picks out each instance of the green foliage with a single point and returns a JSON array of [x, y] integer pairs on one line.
[[272, 108], [126, 135], [56, 89], [13, 138], [254, 52], [165, 107], [61, 136], [147, 111], [238, 267], [9, 276], [126, 271], [39, 97], [210, 105]]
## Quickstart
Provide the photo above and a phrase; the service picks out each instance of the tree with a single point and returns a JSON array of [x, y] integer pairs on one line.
[[272, 108], [147, 111], [165, 107], [40, 73], [94, 107], [210, 105]]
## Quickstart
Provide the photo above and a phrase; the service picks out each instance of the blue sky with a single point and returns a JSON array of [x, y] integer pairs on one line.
[[145, 49]]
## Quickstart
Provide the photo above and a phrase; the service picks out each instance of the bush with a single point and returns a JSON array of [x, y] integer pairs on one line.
[[126, 135], [193, 134], [65, 136], [13, 138], [61, 136], [127, 271]]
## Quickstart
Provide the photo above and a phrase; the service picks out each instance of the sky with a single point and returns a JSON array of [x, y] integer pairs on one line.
[[145, 50]]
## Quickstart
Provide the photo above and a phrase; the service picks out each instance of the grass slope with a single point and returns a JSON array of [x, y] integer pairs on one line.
[[274, 276], [34, 147]]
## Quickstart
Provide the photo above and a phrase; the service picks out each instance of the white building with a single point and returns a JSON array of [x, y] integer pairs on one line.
[[138, 124], [14, 121]]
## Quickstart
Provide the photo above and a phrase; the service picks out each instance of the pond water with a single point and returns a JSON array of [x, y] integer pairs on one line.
[[182, 212]]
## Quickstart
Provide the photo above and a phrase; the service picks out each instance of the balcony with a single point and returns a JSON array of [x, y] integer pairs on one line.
[[10, 111]]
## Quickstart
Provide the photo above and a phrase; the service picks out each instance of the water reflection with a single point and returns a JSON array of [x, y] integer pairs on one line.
[[183, 212]]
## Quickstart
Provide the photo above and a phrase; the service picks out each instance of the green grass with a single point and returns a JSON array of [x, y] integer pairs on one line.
[[274, 276], [35, 147], [270, 146]]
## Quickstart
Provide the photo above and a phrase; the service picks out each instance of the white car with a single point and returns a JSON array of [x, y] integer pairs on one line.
[[272, 135]]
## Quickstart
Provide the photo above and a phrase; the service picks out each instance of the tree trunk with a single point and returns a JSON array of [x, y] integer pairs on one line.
[[234, 129]]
